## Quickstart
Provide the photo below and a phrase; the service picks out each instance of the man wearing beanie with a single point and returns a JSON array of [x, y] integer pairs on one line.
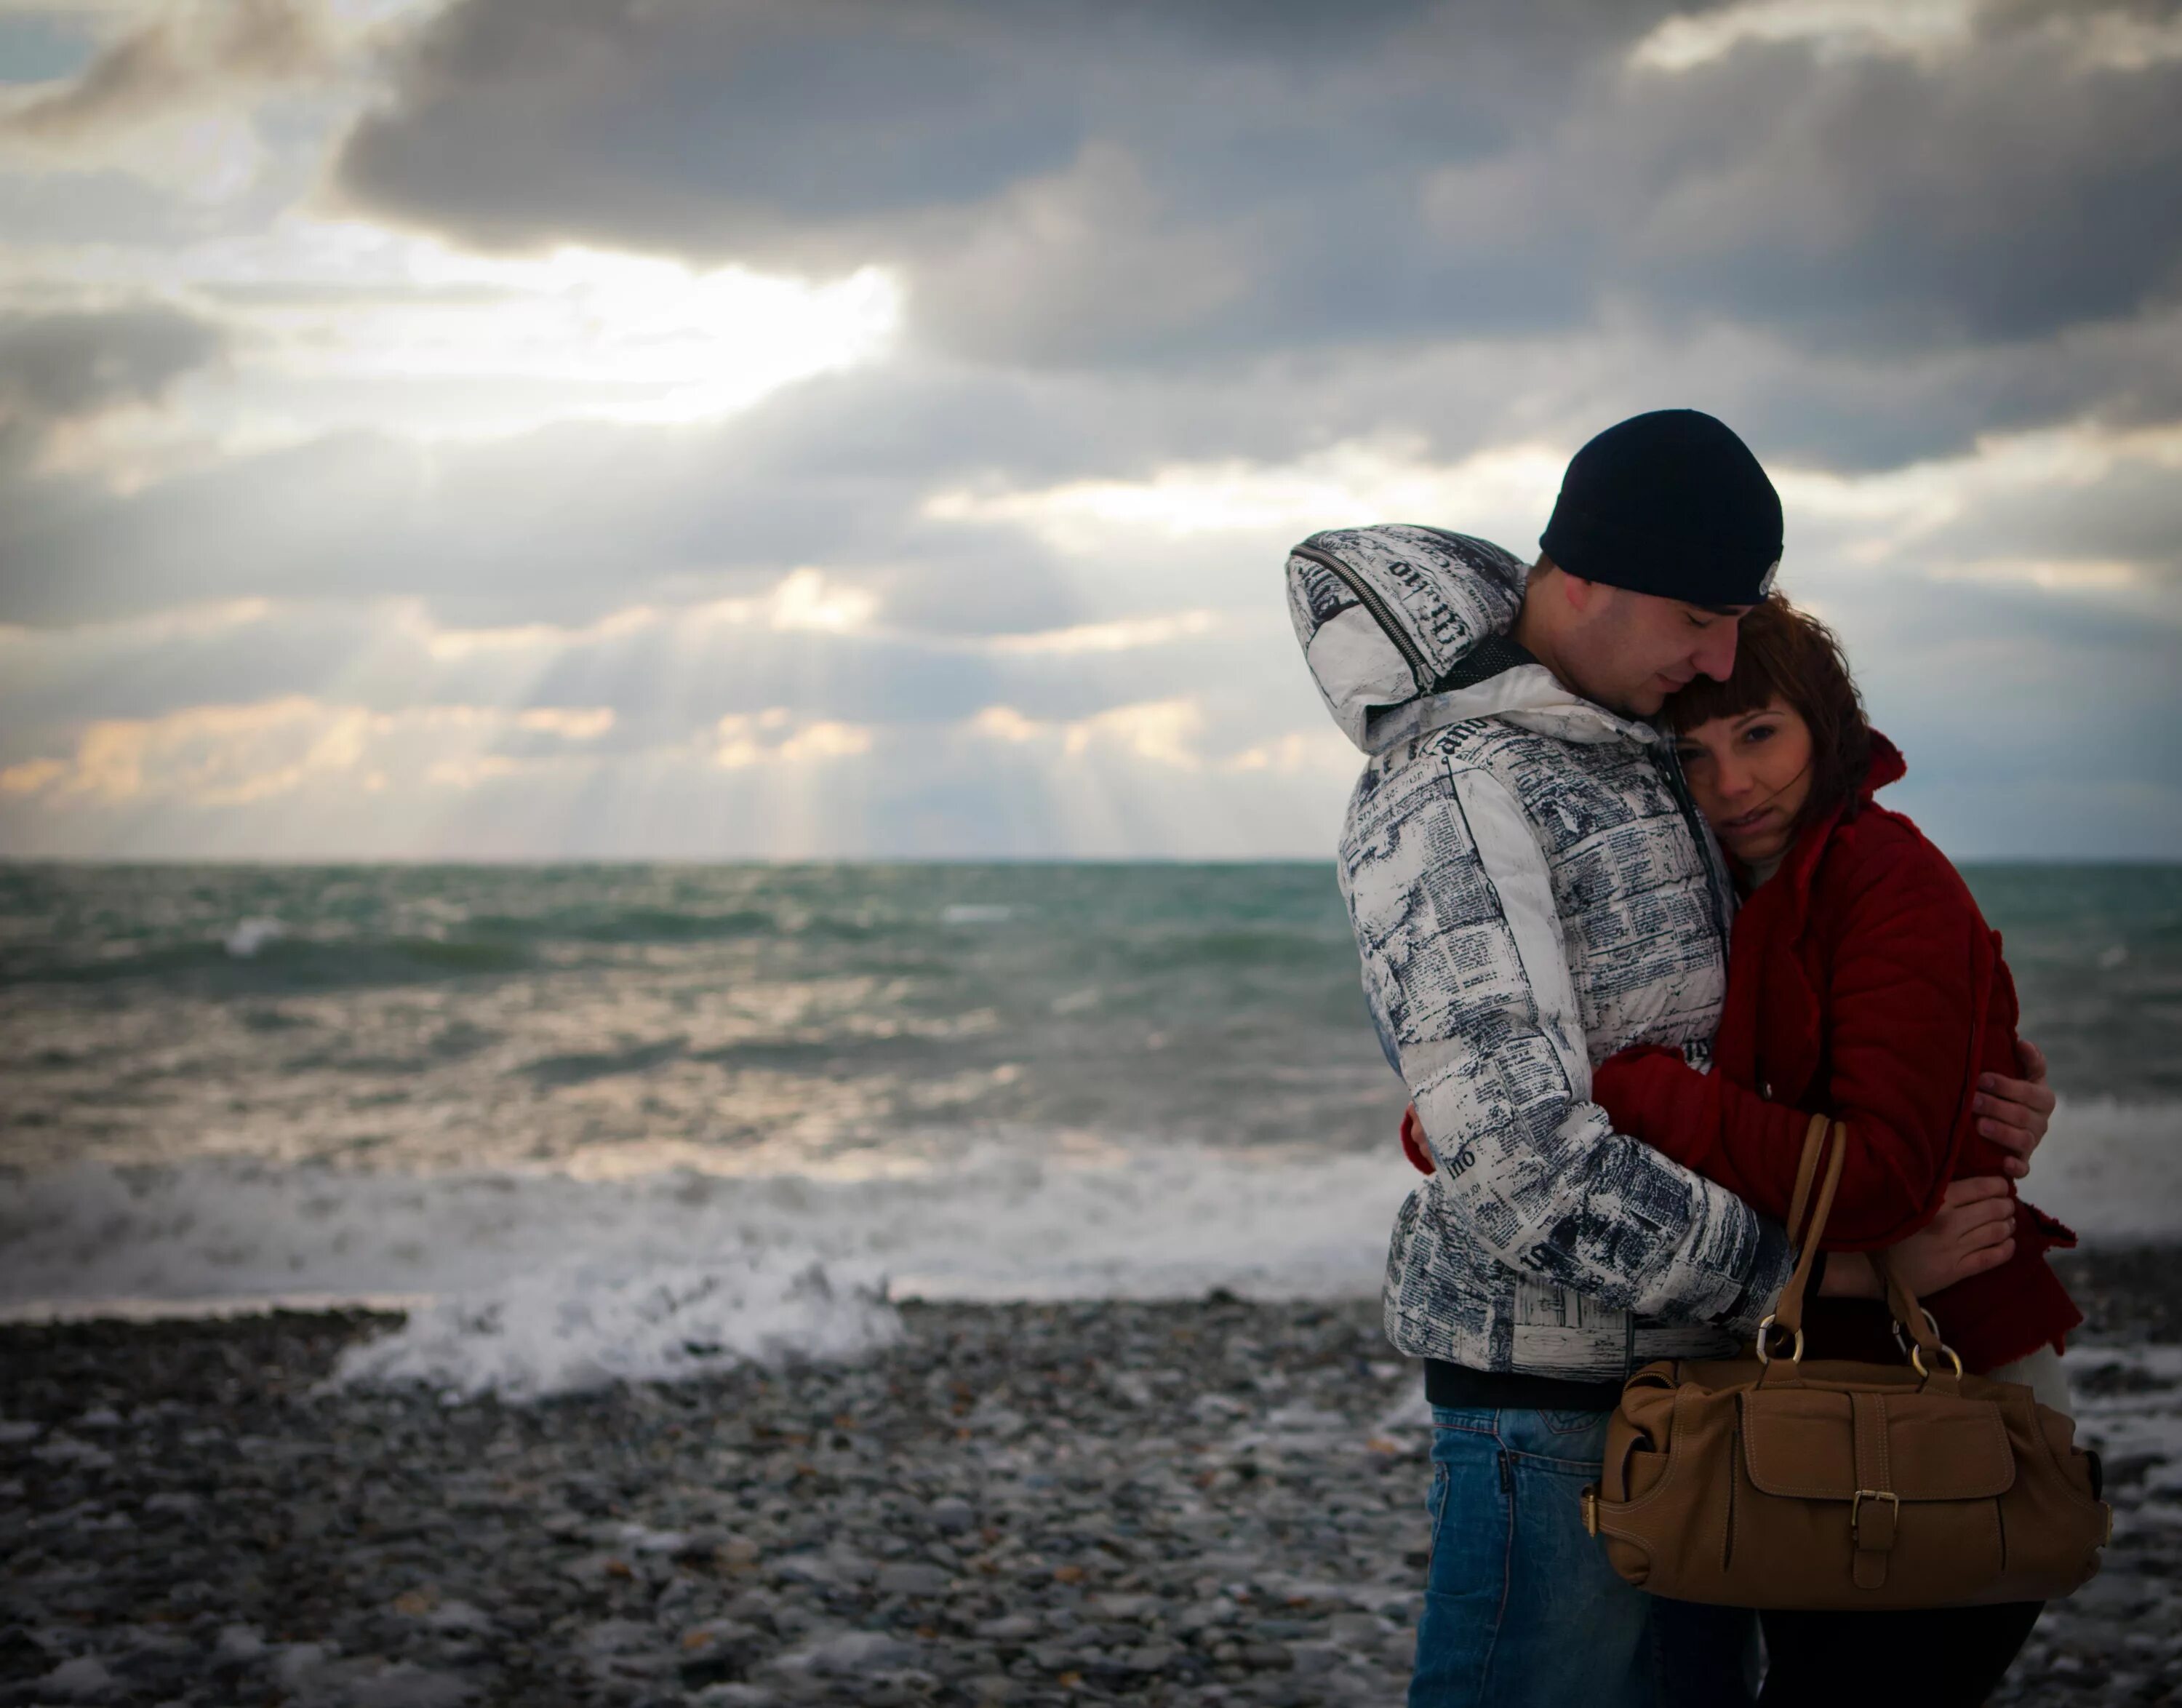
[[1531, 891]]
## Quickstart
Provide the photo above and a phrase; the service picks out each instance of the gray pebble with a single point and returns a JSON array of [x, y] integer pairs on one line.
[[1153, 1504], [913, 1580], [855, 1653]]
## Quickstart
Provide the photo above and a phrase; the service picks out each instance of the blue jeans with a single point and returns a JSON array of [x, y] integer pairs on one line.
[[1520, 1606]]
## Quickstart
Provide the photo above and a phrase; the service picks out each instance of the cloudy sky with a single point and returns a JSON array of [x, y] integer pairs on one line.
[[698, 428]]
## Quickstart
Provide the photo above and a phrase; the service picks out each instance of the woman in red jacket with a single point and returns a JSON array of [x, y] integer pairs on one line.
[[1863, 983]]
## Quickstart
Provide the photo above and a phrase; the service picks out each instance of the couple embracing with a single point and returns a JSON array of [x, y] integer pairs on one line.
[[1628, 917]]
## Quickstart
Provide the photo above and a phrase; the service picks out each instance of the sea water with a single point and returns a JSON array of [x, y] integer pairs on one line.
[[626, 1111]]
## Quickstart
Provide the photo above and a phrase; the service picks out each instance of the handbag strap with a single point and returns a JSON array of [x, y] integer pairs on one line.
[[1806, 1170], [1927, 1349], [1830, 1139], [1788, 1312], [1910, 1317]]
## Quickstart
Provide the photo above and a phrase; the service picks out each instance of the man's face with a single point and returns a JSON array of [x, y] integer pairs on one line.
[[1633, 650]]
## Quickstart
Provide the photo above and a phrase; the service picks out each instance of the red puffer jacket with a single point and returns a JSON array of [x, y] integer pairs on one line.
[[1861, 981]]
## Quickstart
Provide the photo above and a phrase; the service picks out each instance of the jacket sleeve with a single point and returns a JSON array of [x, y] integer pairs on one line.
[[1904, 1004], [1467, 977]]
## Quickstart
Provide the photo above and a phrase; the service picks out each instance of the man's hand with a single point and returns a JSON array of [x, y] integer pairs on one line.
[[2013, 1113], [1973, 1232], [1413, 1143]]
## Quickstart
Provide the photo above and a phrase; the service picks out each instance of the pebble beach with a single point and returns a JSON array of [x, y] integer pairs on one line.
[[1213, 1502]]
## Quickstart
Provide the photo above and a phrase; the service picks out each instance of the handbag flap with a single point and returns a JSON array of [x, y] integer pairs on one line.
[[1801, 1443]]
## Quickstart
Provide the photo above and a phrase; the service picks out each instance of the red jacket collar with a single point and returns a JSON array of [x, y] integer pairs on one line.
[[1888, 766]]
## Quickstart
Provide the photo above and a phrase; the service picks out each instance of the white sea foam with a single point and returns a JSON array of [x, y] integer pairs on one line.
[[250, 935], [541, 1280], [583, 1325], [2136, 1419], [534, 1284], [2113, 1171], [1024, 1219], [975, 913]]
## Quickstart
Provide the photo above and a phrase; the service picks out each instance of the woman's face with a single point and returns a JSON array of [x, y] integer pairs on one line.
[[1750, 775]]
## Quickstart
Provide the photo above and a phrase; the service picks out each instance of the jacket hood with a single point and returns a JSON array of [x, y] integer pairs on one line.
[[1888, 766], [1404, 629]]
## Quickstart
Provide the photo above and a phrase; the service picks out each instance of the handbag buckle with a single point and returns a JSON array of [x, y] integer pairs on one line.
[[1856, 1507], [1591, 1512]]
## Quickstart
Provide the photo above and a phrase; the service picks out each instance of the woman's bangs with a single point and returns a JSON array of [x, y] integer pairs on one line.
[[1750, 687]]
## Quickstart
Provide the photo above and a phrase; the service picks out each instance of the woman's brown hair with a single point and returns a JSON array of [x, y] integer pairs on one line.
[[1782, 651]]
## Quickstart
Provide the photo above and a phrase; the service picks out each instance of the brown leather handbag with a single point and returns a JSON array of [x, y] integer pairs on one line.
[[1769, 1480]]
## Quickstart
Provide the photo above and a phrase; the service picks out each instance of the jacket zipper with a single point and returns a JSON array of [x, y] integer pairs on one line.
[[1381, 613]]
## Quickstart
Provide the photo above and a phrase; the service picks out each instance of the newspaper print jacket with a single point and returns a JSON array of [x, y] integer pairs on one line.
[[1531, 891]]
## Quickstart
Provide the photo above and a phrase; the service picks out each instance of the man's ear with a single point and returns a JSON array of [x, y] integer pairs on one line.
[[1581, 595]]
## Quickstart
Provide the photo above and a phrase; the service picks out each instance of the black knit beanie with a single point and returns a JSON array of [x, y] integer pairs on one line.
[[1671, 503]]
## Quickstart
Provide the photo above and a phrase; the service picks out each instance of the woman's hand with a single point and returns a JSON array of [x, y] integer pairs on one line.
[[1413, 1143], [1973, 1232], [2013, 1113]]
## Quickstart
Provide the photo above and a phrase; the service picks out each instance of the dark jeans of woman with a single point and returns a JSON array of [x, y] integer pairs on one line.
[[1943, 1657], [1940, 1657]]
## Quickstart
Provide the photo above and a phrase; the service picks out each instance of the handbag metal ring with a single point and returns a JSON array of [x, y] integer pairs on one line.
[[1764, 1353], [1931, 1322], [1917, 1359]]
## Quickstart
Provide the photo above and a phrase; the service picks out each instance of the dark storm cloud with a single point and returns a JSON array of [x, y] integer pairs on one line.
[[2004, 17], [569, 524], [1064, 181], [774, 127], [179, 59], [1879, 413], [2132, 516], [666, 678], [56, 368], [148, 669], [664, 683], [2004, 193], [1086, 183]]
